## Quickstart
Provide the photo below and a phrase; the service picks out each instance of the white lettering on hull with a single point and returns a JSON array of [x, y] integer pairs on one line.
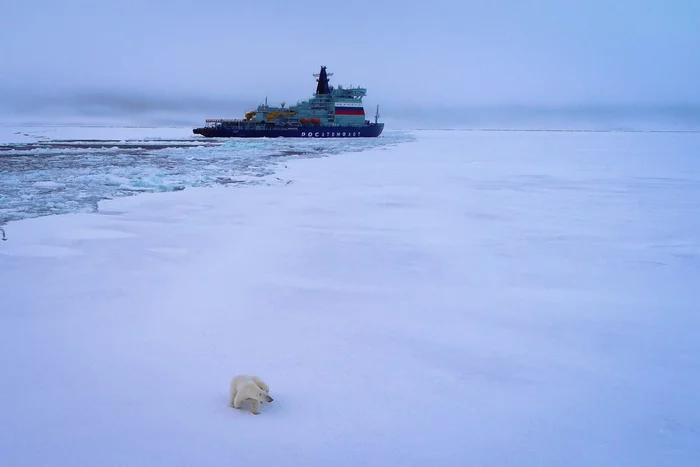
[[329, 134]]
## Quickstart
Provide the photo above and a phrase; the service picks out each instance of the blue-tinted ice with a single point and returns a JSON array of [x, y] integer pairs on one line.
[[61, 176]]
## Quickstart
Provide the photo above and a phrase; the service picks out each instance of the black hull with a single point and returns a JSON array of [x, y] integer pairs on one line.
[[367, 131]]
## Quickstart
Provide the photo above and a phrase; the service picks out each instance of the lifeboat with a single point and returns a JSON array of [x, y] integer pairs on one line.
[[315, 120], [305, 120]]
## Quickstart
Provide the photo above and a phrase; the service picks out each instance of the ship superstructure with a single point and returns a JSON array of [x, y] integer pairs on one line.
[[330, 113]]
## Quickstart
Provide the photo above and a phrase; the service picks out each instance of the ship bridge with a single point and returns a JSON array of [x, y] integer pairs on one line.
[[351, 92]]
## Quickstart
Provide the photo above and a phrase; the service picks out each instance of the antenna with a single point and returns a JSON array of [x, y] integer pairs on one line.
[[319, 74]]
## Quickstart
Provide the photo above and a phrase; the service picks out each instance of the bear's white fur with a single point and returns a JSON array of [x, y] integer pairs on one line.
[[244, 387]]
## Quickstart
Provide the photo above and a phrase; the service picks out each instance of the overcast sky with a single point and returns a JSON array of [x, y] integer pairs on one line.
[[103, 56]]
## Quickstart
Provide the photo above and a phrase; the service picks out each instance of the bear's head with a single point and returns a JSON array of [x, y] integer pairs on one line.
[[262, 396]]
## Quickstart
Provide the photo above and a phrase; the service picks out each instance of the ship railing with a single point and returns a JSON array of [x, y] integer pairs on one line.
[[356, 91], [225, 120]]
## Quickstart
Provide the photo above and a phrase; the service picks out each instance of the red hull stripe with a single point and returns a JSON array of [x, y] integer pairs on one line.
[[349, 111]]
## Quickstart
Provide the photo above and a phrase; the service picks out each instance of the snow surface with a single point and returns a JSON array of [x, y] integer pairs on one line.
[[472, 298]]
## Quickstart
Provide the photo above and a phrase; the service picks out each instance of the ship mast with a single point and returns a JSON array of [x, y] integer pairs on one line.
[[376, 116], [322, 87]]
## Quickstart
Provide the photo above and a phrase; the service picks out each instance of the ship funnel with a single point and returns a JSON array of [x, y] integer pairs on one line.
[[322, 87]]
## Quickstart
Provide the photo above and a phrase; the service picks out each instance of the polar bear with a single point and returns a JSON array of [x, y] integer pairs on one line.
[[244, 387]]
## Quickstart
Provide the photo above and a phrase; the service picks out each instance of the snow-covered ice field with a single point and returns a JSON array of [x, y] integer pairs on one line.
[[467, 299]]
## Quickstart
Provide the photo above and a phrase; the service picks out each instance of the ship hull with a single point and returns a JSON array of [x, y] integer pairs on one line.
[[368, 131]]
